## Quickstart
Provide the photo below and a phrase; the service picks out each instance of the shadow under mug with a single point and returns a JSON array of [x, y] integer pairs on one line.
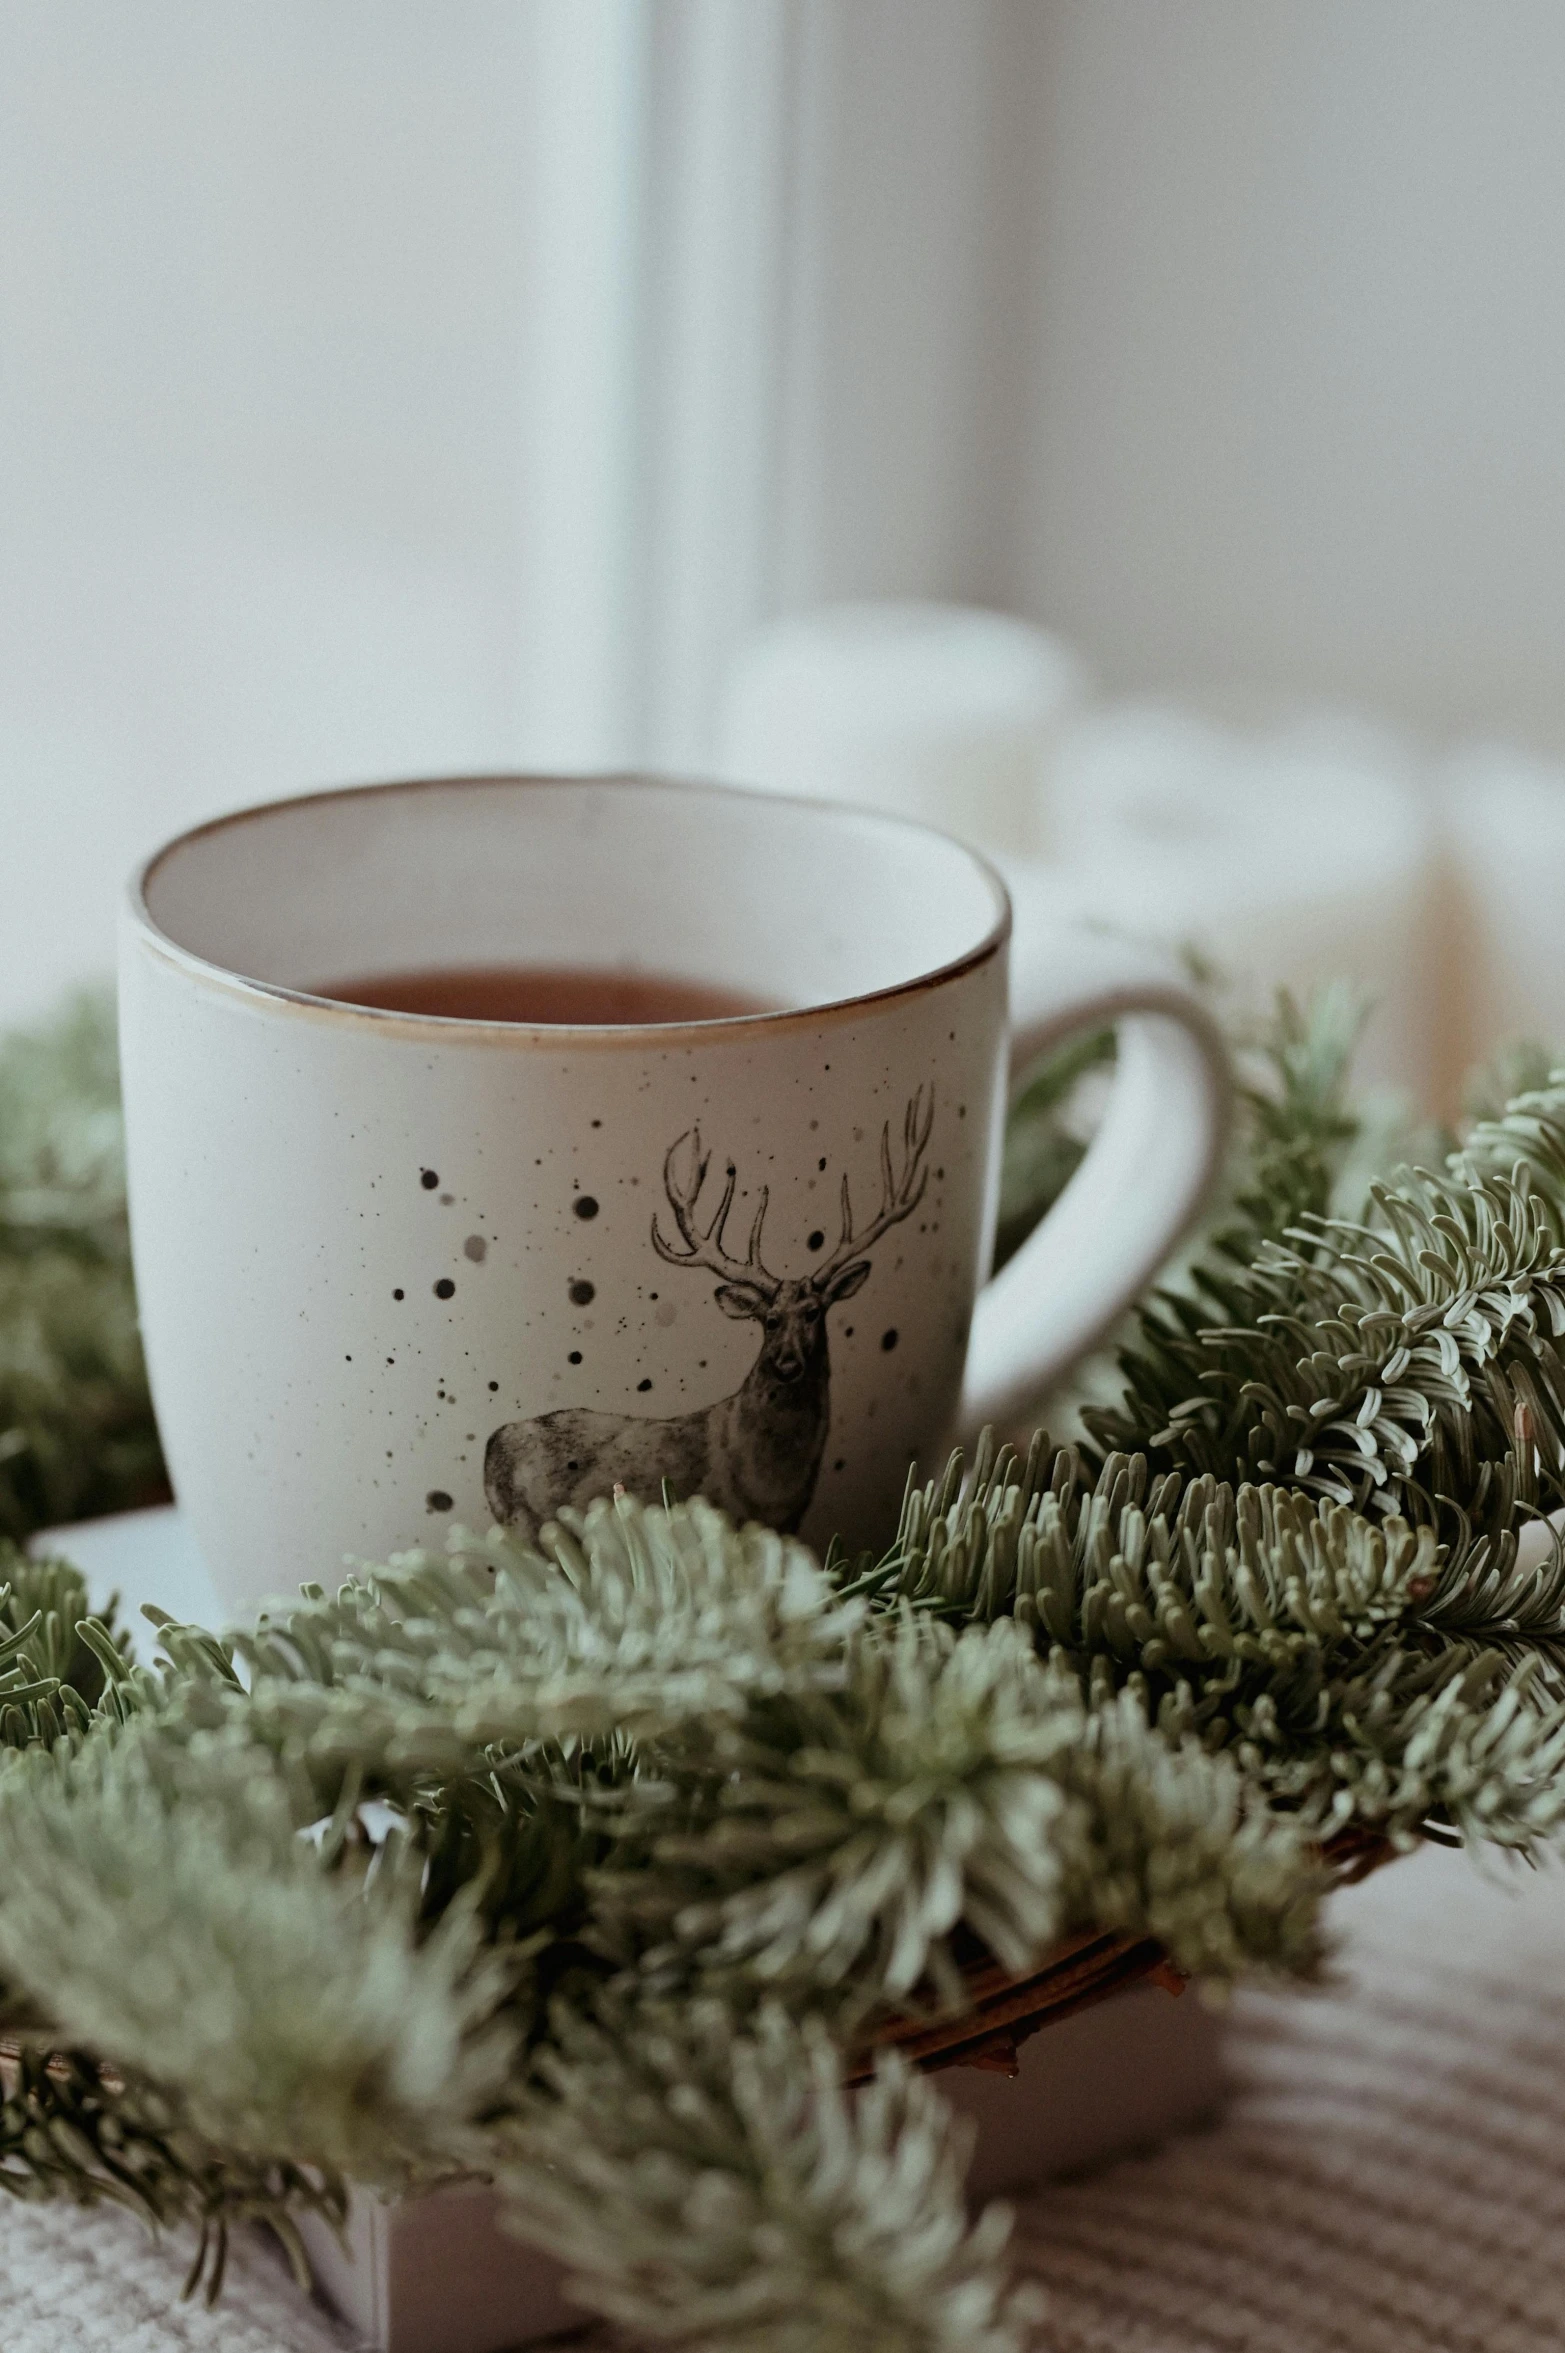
[[399, 1272]]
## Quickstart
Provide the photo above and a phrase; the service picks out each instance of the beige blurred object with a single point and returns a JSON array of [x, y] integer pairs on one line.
[[1502, 818], [438, 2274], [1290, 849], [945, 713]]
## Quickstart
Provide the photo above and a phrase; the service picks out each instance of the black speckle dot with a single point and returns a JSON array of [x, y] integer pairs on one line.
[[445, 1288], [643, 1384], [573, 1466], [493, 1386], [888, 1341], [817, 1239], [428, 1179], [582, 1294], [475, 1248], [347, 1360], [840, 1464], [847, 1332], [597, 1123], [586, 1206], [823, 1164], [574, 1356], [399, 1294], [437, 1500]]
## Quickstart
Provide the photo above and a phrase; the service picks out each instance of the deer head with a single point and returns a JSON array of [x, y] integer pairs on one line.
[[791, 1309]]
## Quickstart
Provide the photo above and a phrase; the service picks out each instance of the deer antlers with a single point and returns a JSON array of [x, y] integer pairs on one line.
[[899, 1196], [706, 1249]]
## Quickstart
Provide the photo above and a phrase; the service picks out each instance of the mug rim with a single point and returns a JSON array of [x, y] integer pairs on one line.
[[450, 1027]]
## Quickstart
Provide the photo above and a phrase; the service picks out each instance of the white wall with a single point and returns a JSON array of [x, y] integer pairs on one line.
[[269, 253], [261, 343], [393, 385], [1298, 387]]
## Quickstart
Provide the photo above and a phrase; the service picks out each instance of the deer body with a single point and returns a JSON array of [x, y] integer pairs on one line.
[[756, 1453]]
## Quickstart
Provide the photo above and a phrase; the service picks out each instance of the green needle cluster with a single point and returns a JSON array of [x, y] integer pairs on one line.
[[601, 1865]]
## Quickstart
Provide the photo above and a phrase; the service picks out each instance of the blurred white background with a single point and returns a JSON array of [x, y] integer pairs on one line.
[[391, 387], [1298, 379]]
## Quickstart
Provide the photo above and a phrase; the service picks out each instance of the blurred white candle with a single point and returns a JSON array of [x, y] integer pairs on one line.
[[941, 712], [1291, 855]]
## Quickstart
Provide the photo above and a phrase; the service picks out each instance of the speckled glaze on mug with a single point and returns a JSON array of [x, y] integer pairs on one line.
[[399, 1272]]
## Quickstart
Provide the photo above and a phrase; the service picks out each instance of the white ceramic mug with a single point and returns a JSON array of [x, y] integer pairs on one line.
[[398, 1272]]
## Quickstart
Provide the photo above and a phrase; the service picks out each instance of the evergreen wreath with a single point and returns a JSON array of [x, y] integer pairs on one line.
[[609, 1867]]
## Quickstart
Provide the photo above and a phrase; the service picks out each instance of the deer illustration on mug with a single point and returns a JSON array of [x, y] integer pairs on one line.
[[756, 1453]]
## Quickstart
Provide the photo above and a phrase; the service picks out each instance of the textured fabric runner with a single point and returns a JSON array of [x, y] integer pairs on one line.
[[1389, 2176]]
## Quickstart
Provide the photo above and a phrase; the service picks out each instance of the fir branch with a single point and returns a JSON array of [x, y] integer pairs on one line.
[[869, 1795], [1297, 1127], [717, 2189], [52, 1653], [1043, 1143], [76, 1431], [1390, 1362], [159, 1908], [1524, 1066], [832, 1842], [798, 1799], [1124, 1689], [1317, 1644], [635, 1620], [847, 1847], [1423, 1744], [62, 1173], [71, 2128], [1529, 1129], [1175, 1846]]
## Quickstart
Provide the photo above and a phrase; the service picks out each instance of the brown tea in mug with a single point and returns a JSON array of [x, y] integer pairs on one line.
[[578, 997]]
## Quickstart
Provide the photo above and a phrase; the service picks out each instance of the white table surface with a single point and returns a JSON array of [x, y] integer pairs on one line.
[[141, 1556]]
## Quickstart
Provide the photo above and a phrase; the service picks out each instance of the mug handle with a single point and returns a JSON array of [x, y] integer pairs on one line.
[[1149, 1168]]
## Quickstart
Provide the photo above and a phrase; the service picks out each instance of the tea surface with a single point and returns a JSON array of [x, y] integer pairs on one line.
[[576, 997]]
